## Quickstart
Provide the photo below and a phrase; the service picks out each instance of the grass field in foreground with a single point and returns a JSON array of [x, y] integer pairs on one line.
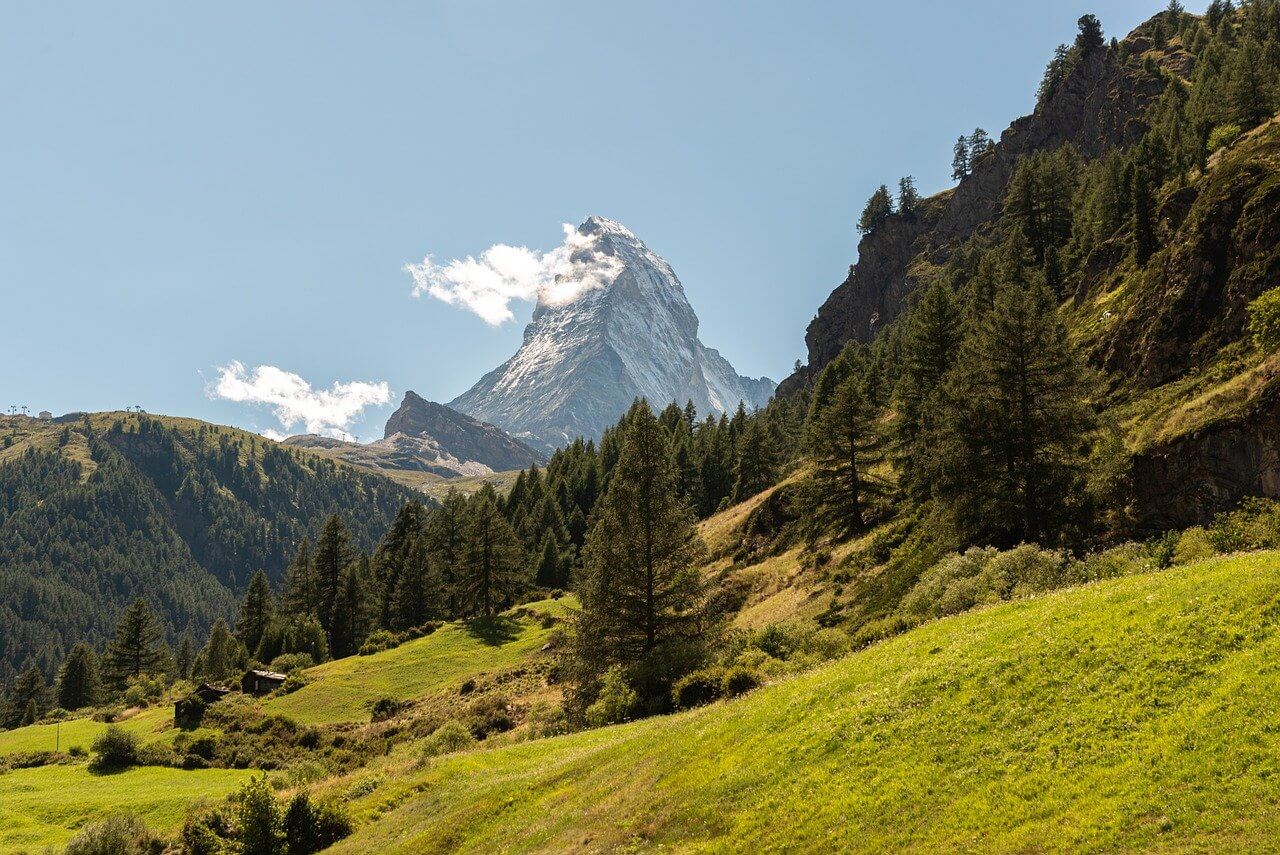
[[1140, 713], [150, 725], [46, 806], [339, 690]]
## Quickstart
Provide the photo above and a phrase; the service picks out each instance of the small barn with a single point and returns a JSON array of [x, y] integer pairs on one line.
[[256, 682], [211, 694]]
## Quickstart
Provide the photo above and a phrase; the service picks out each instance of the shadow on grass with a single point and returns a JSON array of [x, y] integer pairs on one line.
[[496, 630]]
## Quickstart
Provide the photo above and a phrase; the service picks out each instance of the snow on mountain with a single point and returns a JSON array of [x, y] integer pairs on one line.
[[585, 360]]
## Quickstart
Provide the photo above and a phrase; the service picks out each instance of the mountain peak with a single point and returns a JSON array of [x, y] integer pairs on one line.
[[585, 359]]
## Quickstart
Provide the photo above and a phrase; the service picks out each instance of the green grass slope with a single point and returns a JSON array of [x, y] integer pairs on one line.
[[1137, 713], [48, 805], [150, 725], [339, 691]]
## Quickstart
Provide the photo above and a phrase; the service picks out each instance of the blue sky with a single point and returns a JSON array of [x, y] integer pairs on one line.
[[190, 185]]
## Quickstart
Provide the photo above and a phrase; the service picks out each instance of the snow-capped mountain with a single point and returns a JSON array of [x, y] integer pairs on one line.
[[585, 360]]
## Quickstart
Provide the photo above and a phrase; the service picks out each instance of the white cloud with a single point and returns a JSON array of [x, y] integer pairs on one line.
[[328, 412], [487, 285]]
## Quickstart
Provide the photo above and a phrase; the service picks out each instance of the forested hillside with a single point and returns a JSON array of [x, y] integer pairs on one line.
[[100, 510]]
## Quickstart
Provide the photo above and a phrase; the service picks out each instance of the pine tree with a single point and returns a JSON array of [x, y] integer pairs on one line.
[[756, 466], [931, 341], [300, 595], [418, 594], [29, 695], [394, 552], [220, 658], [354, 608], [841, 435], [256, 611], [1090, 37], [331, 557], [547, 572], [908, 196], [1250, 85], [960, 159], [492, 563], [184, 659], [1012, 445], [979, 146], [642, 600], [879, 209], [137, 648], [1144, 226], [78, 681]]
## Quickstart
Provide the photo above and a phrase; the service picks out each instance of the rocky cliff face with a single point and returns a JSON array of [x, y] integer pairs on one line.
[[583, 362], [423, 436], [1097, 107]]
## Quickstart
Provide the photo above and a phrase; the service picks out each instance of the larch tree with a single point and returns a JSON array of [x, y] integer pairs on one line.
[[79, 683], [331, 557], [256, 611], [492, 568], [138, 646]]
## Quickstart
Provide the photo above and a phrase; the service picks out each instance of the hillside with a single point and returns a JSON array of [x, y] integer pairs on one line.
[[100, 509], [1132, 714]]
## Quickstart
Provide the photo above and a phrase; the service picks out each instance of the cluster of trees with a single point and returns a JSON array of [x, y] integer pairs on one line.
[[182, 516], [880, 207], [969, 151]]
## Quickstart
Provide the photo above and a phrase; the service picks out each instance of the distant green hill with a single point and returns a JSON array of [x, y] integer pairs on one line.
[[1133, 714], [98, 510]]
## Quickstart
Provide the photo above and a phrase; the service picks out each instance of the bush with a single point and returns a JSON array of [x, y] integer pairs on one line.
[[1193, 545], [188, 712], [386, 708], [310, 828], [547, 719], [116, 748], [1254, 525], [490, 714], [981, 576], [697, 689], [448, 738], [124, 834], [738, 681], [259, 818], [615, 702], [287, 663], [379, 641], [1222, 135], [1264, 320]]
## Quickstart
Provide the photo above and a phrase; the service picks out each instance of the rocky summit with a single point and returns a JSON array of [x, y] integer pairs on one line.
[[583, 361]]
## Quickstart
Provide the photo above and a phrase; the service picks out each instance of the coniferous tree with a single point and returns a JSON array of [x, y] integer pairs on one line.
[[418, 594], [492, 566], [642, 600], [960, 159], [931, 341], [547, 572], [354, 608], [1090, 37], [1144, 215], [220, 658], [879, 209], [28, 699], [394, 552], [79, 683], [1017, 418], [137, 648], [980, 145], [300, 593], [185, 657], [331, 557], [1250, 85], [756, 466], [445, 538], [908, 196], [841, 435], [256, 611]]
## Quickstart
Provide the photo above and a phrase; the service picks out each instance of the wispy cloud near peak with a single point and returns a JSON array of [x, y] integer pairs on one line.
[[328, 412]]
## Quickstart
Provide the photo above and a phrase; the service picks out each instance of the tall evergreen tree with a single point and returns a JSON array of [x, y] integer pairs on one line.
[[394, 553], [642, 600], [756, 467], [301, 596], [1250, 85], [418, 596], [841, 435], [1144, 215], [355, 608], [908, 196], [256, 611], [547, 573], [879, 209], [28, 699], [137, 648], [960, 159], [1018, 417], [221, 657], [492, 567], [445, 538], [1090, 37], [79, 684], [185, 657], [331, 557]]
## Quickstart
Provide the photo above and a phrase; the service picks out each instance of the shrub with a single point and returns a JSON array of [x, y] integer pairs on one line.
[[123, 834], [1264, 320], [259, 818], [448, 738], [310, 828], [983, 575], [379, 641], [738, 681], [490, 714], [386, 708], [1254, 525], [699, 688], [287, 663], [135, 695], [615, 702], [116, 748], [188, 712], [1222, 135], [1193, 545], [547, 719]]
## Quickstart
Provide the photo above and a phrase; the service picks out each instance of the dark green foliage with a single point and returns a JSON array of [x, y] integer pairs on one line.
[[878, 210], [355, 608], [1013, 446], [642, 599], [260, 820], [1090, 37], [698, 688], [256, 611], [79, 683], [138, 647], [756, 468], [329, 562], [188, 712], [311, 828], [419, 592], [908, 196], [223, 656], [492, 570], [123, 834], [960, 159], [185, 657], [116, 748], [29, 695], [394, 554]]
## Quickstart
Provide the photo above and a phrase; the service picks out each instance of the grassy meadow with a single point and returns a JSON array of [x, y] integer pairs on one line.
[[1135, 713]]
